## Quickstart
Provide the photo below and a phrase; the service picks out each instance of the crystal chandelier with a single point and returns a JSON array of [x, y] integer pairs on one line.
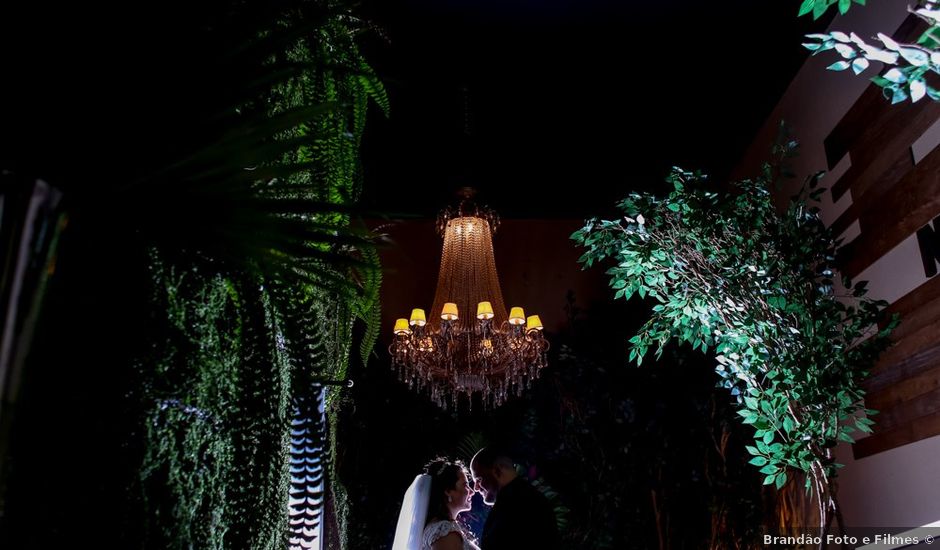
[[453, 352]]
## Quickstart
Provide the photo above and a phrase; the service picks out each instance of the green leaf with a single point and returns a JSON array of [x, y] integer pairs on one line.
[[895, 76], [806, 7], [859, 64], [844, 6], [819, 8], [766, 407], [915, 56], [918, 89], [898, 96], [758, 461], [930, 38], [781, 479], [769, 479]]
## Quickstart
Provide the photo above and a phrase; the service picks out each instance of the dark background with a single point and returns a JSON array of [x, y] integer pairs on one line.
[[557, 109], [551, 109]]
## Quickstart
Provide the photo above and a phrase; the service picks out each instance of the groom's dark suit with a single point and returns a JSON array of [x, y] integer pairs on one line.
[[521, 519]]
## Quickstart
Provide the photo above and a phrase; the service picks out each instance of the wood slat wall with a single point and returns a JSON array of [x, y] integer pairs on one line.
[[905, 384], [897, 212], [891, 199]]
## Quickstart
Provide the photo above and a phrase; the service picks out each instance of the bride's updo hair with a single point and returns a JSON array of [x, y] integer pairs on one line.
[[444, 474]]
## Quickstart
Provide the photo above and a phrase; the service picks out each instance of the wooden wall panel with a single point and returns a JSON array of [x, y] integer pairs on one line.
[[925, 427], [905, 384], [888, 219], [892, 198]]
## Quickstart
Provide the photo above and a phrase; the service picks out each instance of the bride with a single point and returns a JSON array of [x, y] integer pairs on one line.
[[428, 514]]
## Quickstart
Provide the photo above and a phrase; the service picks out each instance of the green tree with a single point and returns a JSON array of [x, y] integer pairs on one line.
[[729, 274]]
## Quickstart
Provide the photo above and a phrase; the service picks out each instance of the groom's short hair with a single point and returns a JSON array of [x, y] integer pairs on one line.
[[491, 456]]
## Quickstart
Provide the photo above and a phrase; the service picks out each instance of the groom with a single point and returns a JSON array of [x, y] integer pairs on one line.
[[521, 517]]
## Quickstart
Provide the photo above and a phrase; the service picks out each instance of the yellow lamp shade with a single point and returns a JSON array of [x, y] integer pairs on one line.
[[484, 310], [401, 327], [516, 316], [449, 312], [533, 323], [417, 317]]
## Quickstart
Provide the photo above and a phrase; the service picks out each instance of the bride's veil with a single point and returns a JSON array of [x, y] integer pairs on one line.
[[414, 511]]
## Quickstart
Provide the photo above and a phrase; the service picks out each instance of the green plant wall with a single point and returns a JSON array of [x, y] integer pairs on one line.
[[237, 344]]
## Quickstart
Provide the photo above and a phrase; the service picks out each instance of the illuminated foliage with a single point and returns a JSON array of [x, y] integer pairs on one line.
[[909, 65], [258, 281], [728, 274]]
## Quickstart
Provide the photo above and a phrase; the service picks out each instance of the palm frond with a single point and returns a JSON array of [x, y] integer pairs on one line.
[[470, 444]]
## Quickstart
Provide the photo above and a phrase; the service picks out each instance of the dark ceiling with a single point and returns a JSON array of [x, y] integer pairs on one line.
[[551, 108], [559, 108]]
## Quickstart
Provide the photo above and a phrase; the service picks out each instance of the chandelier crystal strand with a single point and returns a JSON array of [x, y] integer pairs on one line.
[[468, 345]]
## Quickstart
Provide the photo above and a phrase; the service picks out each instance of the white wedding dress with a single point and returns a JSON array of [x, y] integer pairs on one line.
[[411, 533], [438, 529]]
